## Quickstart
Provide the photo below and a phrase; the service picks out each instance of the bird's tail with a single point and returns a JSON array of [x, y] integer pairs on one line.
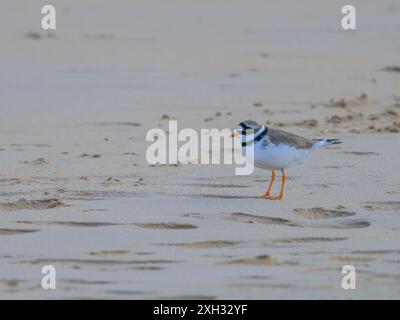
[[326, 142]]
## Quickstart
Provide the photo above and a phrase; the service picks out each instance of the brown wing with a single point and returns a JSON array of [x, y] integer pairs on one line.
[[279, 136]]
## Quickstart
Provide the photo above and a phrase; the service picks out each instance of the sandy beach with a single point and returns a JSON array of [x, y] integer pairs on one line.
[[76, 191]]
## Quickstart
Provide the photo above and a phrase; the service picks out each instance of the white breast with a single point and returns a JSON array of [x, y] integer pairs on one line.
[[270, 156]]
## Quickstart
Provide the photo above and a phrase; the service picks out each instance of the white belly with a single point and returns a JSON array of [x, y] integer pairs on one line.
[[276, 156]]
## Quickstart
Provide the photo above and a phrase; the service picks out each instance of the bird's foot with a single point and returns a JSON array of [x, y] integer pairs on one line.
[[264, 195], [269, 197]]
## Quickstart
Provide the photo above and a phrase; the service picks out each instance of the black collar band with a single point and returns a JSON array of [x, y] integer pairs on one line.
[[258, 138]]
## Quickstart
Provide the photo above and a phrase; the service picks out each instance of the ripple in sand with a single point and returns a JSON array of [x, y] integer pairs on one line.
[[9, 232], [262, 260], [70, 223], [166, 225], [205, 244], [217, 185], [117, 124], [345, 224], [249, 286], [11, 181], [10, 283], [361, 153], [218, 196], [392, 68], [94, 210], [194, 215], [37, 162], [98, 36], [98, 262], [108, 253], [84, 281], [382, 205], [351, 258], [187, 297], [92, 195], [321, 213], [38, 36], [377, 252], [249, 218], [307, 239], [147, 268], [338, 167], [126, 292], [24, 204]]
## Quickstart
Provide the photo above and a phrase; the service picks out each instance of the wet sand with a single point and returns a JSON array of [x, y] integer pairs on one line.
[[76, 191]]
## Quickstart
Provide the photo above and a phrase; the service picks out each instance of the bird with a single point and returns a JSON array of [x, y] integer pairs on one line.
[[275, 149]]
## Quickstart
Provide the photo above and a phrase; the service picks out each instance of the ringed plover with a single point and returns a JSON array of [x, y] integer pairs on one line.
[[276, 149]]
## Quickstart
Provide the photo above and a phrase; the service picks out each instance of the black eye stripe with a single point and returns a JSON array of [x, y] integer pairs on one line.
[[244, 126]]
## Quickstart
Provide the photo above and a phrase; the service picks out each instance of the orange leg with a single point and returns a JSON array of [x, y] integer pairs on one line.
[[268, 193], [280, 196]]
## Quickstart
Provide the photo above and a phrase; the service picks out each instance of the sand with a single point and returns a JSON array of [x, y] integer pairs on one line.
[[76, 191]]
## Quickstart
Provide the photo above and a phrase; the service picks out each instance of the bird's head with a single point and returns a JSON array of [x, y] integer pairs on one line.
[[247, 127]]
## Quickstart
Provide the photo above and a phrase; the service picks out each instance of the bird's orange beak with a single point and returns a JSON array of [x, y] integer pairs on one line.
[[235, 133]]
